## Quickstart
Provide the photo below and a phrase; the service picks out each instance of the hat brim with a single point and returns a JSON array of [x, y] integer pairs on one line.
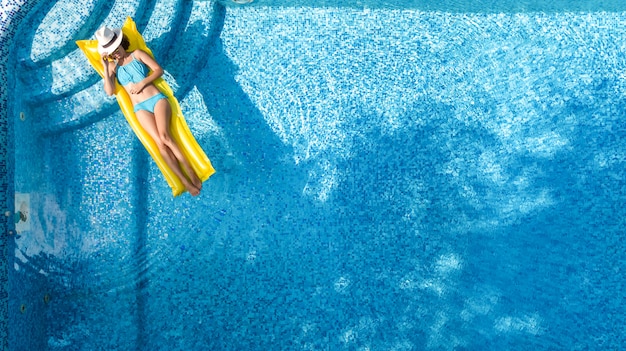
[[110, 48]]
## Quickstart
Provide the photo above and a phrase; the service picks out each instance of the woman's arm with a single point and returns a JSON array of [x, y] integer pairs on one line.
[[154, 66], [109, 75]]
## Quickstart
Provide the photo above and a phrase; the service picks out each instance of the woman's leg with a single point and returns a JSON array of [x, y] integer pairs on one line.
[[163, 117], [149, 124]]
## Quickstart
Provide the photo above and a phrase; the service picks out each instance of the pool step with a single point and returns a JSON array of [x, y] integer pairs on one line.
[[53, 37], [172, 44], [54, 66], [52, 59]]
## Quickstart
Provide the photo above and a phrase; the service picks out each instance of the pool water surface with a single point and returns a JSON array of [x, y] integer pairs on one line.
[[428, 177]]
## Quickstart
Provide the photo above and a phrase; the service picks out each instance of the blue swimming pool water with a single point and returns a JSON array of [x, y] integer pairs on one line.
[[432, 177]]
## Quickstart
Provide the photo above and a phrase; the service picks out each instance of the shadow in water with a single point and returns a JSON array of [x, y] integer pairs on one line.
[[257, 176], [251, 141], [553, 265]]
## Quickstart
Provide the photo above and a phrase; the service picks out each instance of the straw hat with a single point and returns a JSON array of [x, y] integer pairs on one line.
[[108, 39]]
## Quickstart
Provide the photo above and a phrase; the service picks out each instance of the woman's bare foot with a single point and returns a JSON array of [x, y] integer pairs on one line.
[[196, 181], [191, 188], [193, 178], [194, 191]]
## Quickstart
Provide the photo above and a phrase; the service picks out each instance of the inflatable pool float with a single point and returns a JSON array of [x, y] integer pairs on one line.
[[179, 129]]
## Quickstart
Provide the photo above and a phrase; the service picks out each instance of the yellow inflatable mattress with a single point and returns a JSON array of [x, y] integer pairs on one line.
[[179, 129]]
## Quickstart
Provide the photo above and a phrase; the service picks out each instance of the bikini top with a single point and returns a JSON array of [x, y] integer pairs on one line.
[[132, 72]]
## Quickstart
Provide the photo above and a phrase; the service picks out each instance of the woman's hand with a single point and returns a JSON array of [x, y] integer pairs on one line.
[[105, 57], [109, 73], [135, 88], [106, 61]]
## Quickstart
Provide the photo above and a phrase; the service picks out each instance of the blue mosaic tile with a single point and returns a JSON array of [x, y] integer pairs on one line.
[[58, 28], [11, 13], [388, 179]]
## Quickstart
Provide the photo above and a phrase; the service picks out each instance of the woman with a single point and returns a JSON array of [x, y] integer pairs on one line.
[[151, 107]]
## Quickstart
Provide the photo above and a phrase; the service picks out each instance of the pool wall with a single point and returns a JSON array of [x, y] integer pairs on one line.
[[29, 322], [453, 6], [9, 15]]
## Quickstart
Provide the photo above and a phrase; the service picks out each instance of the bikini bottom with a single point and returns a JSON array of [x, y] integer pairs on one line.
[[149, 103]]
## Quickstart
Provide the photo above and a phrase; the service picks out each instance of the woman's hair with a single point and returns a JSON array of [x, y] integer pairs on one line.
[[125, 43]]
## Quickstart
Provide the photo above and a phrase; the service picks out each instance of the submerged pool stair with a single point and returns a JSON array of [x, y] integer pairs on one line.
[[64, 92]]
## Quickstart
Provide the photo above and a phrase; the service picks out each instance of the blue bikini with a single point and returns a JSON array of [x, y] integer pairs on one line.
[[134, 72]]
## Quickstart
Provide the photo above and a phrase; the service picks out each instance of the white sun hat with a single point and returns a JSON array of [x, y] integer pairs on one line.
[[108, 39]]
